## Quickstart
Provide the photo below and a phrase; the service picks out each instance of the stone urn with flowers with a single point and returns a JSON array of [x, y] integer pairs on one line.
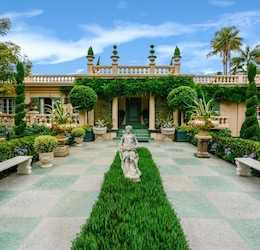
[[202, 118]]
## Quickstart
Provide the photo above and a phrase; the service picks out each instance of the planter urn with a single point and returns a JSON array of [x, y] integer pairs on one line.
[[46, 159], [79, 141], [99, 132], [167, 132]]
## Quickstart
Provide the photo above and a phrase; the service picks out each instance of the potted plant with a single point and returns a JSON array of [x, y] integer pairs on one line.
[[88, 133], [202, 118], [180, 134], [167, 128], [45, 145], [114, 57], [90, 56], [78, 134], [152, 57], [100, 129], [177, 54]]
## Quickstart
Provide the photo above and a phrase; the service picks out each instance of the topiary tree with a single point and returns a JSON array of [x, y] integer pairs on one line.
[[83, 97], [90, 51], [181, 98], [177, 51], [250, 128], [20, 124]]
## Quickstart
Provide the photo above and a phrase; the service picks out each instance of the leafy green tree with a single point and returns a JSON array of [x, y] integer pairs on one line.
[[250, 128], [226, 40], [5, 26], [181, 98], [20, 124], [83, 98], [244, 58]]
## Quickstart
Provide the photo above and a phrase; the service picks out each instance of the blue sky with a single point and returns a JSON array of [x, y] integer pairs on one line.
[[57, 34]]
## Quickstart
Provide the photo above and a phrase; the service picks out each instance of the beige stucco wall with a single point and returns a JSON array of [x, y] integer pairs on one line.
[[236, 113]]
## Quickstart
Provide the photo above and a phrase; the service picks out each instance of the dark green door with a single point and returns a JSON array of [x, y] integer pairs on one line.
[[133, 111]]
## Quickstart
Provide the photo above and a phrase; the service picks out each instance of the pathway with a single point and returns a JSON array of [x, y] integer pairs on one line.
[[45, 210]]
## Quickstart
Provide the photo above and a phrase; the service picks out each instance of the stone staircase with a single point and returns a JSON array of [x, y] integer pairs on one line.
[[141, 132]]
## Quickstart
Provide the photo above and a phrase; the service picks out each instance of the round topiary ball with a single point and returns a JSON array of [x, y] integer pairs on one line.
[[181, 97], [78, 132], [83, 98]]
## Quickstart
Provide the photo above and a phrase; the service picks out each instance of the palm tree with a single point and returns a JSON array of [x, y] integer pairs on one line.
[[245, 57], [226, 40], [5, 26]]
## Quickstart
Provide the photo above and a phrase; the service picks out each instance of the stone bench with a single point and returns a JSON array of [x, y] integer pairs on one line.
[[244, 165], [23, 162]]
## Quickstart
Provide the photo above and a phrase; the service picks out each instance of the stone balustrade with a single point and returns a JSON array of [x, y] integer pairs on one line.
[[50, 79], [35, 118], [223, 122]]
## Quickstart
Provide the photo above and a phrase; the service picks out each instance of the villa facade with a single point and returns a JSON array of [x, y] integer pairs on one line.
[[45, 89]]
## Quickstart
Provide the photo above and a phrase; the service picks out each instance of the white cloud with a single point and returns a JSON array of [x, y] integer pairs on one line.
[[19, 15], [222, 3], [122, 5]]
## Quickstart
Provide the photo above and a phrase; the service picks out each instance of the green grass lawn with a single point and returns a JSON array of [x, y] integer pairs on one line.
[[132, 215]]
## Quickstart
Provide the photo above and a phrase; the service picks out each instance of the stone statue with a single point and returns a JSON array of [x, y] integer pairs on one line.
[[128, 155]]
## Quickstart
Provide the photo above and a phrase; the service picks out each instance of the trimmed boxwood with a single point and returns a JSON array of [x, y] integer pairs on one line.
[[45, 143], [78, 132], [132, 215]]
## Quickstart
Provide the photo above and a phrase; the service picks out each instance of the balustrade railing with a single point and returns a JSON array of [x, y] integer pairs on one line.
[[34, 118], [223, 122], [50, 79]]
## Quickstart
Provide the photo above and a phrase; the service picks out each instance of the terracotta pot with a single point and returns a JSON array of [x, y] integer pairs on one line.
[[46, 159]]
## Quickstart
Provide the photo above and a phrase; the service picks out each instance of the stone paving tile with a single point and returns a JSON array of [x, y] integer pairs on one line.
[[31, 204], [79, 161], [192, 205], [247, 184], [53, 233], [235, 205], [228, 170], [37, 170], [19, 182], [69, 170], [96, 170], [88, 183], [187, 161], [178, 183], [170, 170], [163, 161], [13, 231], [212, 234], [74, 204], [6, 195], [214, 184], [249, 230], [55, 182], [107, 161], [197, 171], [256, 195]]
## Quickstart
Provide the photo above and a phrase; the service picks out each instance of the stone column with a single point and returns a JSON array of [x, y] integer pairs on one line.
[[114, 64], [115, 113], [41, 105], [177, 65], [90, 64], [175, 118], [151, 112]]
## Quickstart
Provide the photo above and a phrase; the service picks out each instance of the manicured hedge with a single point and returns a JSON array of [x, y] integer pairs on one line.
[[229, 148], [132, 215], [19, 146]]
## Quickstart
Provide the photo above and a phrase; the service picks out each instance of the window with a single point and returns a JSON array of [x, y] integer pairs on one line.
[[7, 105]]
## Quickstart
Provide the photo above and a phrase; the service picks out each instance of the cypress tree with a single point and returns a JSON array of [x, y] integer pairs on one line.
[[250, 128], [20, 124]]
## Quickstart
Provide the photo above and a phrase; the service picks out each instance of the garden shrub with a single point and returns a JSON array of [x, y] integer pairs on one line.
[[20, 124], [78, 132], [6, 132], [36, 130], [132, 215], [18, 146], [45, 143], [250, 128]]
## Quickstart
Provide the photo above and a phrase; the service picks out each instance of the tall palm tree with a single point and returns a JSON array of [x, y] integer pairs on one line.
[[245, 57], [226, 40]]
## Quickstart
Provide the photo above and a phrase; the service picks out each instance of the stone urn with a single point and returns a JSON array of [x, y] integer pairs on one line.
[[62, 149], [152, 58], [46, 159], [167, 132], [79, 141], [114, 59], [99, 131]]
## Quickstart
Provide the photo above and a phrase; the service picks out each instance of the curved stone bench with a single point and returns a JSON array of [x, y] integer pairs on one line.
[[244, 165], [23, 162]]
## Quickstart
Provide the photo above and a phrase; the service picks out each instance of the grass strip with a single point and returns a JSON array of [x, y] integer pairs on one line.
[[132, 215]]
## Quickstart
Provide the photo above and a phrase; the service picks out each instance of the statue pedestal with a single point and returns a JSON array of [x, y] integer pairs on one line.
[[203, 141], [61, 151]]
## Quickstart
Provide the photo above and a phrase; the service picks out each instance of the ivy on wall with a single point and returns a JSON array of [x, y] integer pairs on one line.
[[159, 87], [103, 111]]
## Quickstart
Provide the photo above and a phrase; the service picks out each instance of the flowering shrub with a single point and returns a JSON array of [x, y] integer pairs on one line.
[[20, 151]]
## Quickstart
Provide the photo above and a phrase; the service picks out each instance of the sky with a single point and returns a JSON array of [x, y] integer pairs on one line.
[[56, 34]]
